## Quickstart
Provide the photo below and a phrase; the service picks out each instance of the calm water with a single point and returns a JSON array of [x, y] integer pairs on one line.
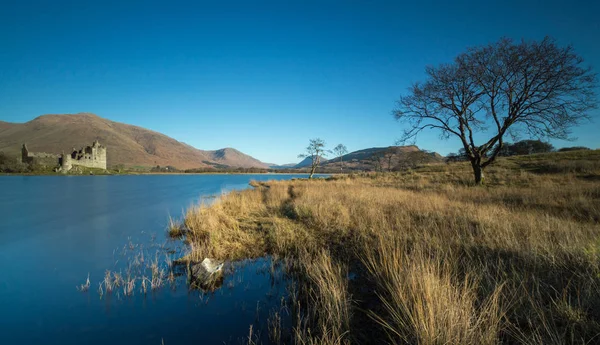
[[54, 230]]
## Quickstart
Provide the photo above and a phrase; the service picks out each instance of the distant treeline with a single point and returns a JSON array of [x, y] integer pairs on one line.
[[520, 148]]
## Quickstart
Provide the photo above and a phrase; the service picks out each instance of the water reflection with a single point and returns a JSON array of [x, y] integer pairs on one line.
[[54, 231]]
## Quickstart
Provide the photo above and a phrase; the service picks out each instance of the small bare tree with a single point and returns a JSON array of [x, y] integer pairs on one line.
[[413, 159], [340, 151], [315, 150], [389, 156], [378, 159], [503, 88]]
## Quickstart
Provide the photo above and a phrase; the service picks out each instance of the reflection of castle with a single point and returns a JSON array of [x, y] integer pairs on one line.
[[90, 156]]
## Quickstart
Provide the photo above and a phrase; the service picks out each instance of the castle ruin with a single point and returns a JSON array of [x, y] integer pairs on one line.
[[38, 158], [90, 156]]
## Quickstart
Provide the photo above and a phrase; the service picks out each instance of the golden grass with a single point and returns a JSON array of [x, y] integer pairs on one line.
[[427, 301], [435, 260], [328, 302]]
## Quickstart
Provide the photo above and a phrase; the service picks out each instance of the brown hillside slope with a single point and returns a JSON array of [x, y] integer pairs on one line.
[[228, 154], [127, 144], [5, 125]]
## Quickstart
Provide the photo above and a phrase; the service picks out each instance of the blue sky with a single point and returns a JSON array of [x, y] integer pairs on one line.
[[259, 76]]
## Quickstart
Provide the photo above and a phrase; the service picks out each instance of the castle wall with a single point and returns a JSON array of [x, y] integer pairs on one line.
[[45, 160], [91, 157], [38, 158]]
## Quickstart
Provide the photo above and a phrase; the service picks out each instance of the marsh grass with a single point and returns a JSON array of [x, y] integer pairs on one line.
[[143, 269], [433, 259], [85, 287], [175, 229]]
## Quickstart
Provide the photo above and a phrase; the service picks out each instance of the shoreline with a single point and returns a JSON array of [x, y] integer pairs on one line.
[[164, 174]]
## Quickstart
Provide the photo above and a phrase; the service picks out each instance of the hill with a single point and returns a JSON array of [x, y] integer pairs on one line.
[[127, 144], [371, 159], [386, 158], [230, 156], [307, 162], [283, 166], [5, 125]]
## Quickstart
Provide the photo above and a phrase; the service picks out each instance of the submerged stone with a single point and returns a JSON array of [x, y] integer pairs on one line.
[[207, 275]]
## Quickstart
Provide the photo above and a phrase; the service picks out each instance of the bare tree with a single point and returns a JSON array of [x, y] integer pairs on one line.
[[340, 151], [378, 159], [389, 155], [315, 150], [503, 88], [413, 159]]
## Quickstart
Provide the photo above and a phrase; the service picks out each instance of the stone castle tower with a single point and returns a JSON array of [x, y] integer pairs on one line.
[[90, 156]]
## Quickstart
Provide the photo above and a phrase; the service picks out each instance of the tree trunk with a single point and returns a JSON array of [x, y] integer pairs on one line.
[[478, 173], [314, 167]]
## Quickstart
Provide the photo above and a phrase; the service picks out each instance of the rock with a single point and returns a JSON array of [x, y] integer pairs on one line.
[[207, 275], [207, 267]]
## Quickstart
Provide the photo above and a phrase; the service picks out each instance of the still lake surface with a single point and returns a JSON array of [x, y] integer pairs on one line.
[[55, 230]]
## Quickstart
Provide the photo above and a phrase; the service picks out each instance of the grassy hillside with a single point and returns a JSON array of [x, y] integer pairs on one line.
[[381, 158], [425, 257], [127, 145], [234, 158], [371, 159]]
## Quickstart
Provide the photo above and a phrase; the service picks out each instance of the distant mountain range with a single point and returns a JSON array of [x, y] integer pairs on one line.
[[136, 146], [126, 144]]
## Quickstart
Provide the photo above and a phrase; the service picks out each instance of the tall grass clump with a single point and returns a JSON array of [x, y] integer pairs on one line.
[[425, 302], [327, 318]]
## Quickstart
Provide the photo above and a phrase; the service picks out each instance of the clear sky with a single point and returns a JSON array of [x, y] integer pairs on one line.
[[259, 76]]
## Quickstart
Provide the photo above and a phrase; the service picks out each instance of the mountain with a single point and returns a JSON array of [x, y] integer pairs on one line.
[[126, 144], [382, 157], [283, 166], [5, 125], [230, 156], [367, 155], [374, 158], [307, 162]]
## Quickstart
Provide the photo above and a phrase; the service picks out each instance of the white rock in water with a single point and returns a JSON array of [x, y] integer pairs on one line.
[[205, 270], [211, 266]]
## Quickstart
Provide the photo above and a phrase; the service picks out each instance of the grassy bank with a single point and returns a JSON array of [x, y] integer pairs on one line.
[[424, 257]]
